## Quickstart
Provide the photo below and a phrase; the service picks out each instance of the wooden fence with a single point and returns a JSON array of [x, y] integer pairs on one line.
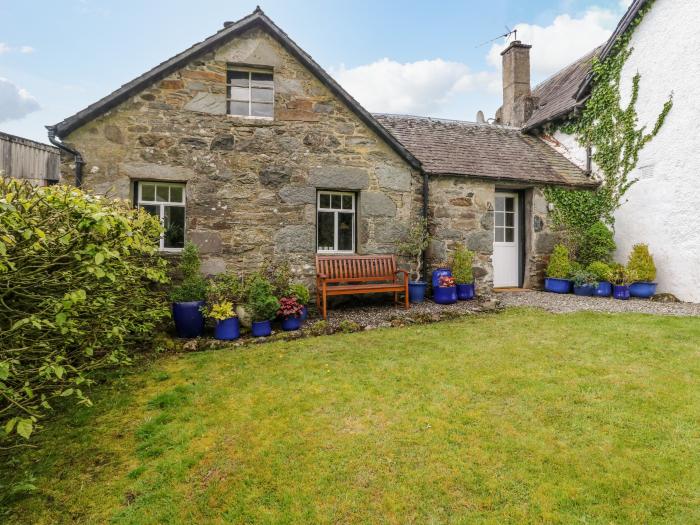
[[26, 159]]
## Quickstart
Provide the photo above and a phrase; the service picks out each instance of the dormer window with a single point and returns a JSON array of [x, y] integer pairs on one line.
[[250, 93]]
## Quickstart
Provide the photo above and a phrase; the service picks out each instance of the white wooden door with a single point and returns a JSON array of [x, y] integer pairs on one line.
[[506, 243]]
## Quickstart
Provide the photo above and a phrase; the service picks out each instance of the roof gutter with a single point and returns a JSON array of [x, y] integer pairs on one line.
[[78, 158]]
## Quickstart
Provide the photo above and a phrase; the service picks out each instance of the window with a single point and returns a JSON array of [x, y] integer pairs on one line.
[[167, 202], [504, 215], [335, 222], [250, 93]]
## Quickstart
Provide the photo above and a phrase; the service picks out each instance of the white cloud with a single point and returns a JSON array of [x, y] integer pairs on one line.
[[26, 50], [15, 102], [4, 48], [563, 41], [422, 87]]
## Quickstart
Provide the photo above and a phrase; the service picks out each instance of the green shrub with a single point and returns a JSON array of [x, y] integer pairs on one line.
[[583, 277], [642, 263], [319, 328], [346, 326], [193, 286], [225, 287], [621, 275], [596, 244], [260, 298], [80, 283], [601, 271], [279, 275], [559, 265], [301, 292], [462, 264], [416, 241], [574, 268]]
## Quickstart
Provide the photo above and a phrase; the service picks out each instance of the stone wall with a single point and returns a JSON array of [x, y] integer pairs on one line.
[[251, 184]]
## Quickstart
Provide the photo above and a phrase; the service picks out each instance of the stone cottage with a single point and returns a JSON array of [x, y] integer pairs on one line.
[[245, 146]]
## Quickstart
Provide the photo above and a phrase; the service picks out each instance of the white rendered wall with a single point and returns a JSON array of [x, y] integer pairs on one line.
[[662, 208]]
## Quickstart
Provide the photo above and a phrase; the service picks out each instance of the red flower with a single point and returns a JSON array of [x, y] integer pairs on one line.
[[447, 281]]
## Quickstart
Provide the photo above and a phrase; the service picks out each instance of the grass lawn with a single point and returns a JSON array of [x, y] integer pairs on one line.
[[522, 416]]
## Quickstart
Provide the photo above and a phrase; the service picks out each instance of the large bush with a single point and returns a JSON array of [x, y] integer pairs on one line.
[[559, 265], [78, 291], [642, 263], [596, 244]]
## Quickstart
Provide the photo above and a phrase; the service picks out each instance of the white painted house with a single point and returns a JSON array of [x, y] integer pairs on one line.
[[662, 208]]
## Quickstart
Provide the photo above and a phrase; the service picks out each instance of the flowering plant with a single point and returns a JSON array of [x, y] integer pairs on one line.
[[222, 311], [290, 307], [447, 281]]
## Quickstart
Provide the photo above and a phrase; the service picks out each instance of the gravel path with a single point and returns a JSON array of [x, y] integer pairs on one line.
[[563, 303]]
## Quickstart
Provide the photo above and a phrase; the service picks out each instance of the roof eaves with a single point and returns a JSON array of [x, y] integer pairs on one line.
[[622, 26]]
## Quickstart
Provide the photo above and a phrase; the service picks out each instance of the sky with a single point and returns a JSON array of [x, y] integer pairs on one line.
[[437, 59]]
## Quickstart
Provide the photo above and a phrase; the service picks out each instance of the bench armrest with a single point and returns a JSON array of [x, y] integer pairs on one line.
[[404, 272]]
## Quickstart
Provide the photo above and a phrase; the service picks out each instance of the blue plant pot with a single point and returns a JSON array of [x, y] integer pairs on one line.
[[604, 289], [416, 291], [228, 329], [439, 272], [261, 328], [554, 285], [465, 292], [304, 313], [621, 292], [189, 321], [642, 289], [586, 290], [445, 294], [291, 323]]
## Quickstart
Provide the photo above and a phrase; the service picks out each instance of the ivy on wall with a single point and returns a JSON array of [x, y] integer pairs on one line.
[[611, 131]]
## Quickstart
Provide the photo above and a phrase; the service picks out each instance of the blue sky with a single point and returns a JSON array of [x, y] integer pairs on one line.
[[393, 56]]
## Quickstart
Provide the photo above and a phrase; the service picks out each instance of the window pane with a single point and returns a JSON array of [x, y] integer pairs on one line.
[[345, 227], [238, 78], [262, 79], [260, 95], [510, 202], [325, 230], [325, 200], [148, 192], [347, 202], [259, 109], [510, 234], [174, 225], [238, 93], [238, 108], [151, 208], [162, 194], [175, 193], [499, 234], [510, 219], [335, 202], [500, 204], [499, 219]]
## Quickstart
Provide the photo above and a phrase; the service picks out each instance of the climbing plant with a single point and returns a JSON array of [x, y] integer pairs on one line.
[[612, 133]]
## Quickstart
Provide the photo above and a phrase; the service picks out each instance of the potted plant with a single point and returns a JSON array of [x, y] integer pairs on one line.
[[301, 293], [188, 297], [262, 303], [463, 272], [227, 326], [558, 271], [585, 282], [642, 264], [224, 292], [290, 310], [446, 290], [603, 275], [415, 243], [621, 277]]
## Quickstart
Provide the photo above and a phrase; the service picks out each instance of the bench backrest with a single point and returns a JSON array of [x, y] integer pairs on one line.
[[357, 267]]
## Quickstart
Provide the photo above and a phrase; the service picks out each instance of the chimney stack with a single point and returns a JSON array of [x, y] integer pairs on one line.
[[517, 102]]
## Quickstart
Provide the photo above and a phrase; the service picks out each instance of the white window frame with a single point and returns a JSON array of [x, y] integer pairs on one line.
[[250, 71], [335, 212], [140, 201]]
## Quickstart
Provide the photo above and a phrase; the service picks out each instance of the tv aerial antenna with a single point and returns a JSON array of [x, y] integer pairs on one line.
[[505, 35]]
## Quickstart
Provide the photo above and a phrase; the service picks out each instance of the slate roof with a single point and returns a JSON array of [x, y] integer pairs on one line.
[[556, 95], [452, 147], [255, 19]]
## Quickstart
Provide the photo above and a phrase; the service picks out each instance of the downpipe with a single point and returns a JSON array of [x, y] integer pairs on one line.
[[77, 157]]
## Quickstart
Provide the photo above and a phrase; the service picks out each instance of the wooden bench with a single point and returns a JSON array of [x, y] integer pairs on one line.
[[357, 274]]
